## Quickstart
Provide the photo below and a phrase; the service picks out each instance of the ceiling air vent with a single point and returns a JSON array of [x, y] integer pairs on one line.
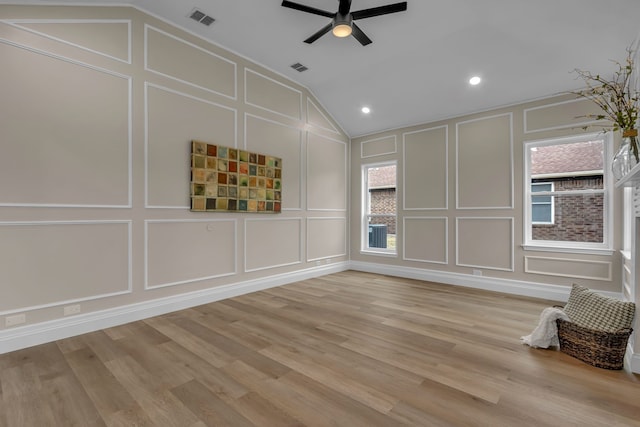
[[201, 17], [299, 67]]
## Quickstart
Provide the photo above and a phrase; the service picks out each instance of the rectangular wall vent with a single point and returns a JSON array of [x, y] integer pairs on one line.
[[201, 17], [299, 67]]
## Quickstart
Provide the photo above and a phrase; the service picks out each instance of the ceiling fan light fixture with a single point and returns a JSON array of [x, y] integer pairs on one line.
[[342, 25], [342, 30]]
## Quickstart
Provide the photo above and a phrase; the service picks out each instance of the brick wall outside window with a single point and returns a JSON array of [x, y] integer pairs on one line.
[[577, 218], [383, 201]]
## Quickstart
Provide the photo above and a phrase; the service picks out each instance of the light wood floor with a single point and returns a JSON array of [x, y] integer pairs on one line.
[[349, 349]]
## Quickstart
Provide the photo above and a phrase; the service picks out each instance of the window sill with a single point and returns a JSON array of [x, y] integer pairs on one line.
[[379, 253], [569, 250]]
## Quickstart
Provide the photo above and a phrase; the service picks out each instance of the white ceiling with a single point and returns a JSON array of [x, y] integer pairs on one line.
[[417, 68]]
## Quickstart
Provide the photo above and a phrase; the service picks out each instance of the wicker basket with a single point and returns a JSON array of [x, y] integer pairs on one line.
[[598, 348]]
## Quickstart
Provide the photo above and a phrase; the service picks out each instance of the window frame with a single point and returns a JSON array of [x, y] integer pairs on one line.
[[365, 208], [604, 248]]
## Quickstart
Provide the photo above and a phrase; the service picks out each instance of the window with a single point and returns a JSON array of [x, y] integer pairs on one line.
[[567, 194], [379, 208], [542, 206]]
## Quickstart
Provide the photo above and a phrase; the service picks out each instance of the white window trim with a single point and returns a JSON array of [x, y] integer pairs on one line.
[[364, 220], [604, 248]]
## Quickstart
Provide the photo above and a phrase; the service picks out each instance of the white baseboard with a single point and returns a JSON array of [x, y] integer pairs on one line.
[[632, 360], [40, 333], [515, 287]]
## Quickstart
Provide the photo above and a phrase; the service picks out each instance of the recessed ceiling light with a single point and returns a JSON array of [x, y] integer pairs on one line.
[[475, 80], [366, 110]]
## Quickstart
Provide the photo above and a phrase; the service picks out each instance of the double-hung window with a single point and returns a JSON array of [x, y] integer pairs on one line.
[[379, 207], [567, 194]]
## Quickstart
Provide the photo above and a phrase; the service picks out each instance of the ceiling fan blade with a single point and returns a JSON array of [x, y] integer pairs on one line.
[[308, 9], [377, 11], [345, 7], [324, 30], [360, 35]]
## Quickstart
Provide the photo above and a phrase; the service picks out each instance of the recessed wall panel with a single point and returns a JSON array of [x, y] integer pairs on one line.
[[326, 173], [485, 243], [559, 115], [425, 169], [173, 121], [275, 139], [266, 93], [178, 59], [563, 267], [271, 243], [184, 251], [484, 163], [326, 237], [110, 38], [64, 129], [317, 118], [378, 146], [53, 262], [425, 239]]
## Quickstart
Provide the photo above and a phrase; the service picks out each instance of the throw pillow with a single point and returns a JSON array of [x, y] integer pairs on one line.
[[594, 311]]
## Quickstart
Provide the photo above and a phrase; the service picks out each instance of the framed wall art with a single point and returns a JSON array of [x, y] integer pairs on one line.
[[230, 179]]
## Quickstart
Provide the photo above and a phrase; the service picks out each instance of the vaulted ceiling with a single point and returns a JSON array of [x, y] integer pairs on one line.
[[418, 66]]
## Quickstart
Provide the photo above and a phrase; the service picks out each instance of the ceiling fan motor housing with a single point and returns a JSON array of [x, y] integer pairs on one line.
[[342, 25]]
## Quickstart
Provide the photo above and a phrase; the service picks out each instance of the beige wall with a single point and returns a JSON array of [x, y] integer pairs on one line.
[[98, 109], [460, 186]]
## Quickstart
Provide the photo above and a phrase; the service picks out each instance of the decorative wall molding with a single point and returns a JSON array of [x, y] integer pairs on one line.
[[233, 250], [565, 261], [301, 159], [345, 170], [60, 303], [511, 242], [148, 85], [331, 129], [330, 218], [129, 81], [148, 27], [369, 141], [576, 124], [274, 243], [19, 23], [446, 168], [246, 101], [511, 159], [446, 238]]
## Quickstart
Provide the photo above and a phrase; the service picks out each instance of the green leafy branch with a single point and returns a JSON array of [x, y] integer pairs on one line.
[[617, 99]]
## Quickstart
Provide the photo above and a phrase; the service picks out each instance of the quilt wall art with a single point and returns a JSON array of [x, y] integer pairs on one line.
[[230, 179]]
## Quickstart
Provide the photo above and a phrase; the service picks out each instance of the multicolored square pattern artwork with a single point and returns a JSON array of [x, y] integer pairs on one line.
[[229, 179]]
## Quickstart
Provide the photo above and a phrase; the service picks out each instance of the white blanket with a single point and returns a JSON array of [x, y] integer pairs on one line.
[[545, 334]]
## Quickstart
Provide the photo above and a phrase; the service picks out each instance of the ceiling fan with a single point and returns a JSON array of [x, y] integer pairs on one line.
[[342, 21]]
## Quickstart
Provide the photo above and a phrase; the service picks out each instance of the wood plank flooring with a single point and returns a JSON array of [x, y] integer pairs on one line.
[[349, 349]]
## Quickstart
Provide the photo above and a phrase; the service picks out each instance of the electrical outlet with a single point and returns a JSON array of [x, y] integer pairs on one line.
[[15, 320], [72, 309], [477, 272]]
